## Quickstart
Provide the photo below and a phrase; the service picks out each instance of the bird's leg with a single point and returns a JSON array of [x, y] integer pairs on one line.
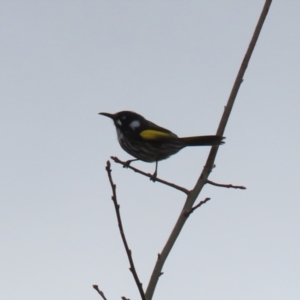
[[128, 162], [153, 176]]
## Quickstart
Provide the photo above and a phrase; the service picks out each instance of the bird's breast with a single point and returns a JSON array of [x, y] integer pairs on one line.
[[120, 135]]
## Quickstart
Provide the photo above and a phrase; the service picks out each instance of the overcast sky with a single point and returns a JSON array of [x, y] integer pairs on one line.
[[63, 62]]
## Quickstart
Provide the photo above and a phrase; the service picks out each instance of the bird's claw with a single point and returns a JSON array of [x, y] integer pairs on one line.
[[127, 164], [153, 177]]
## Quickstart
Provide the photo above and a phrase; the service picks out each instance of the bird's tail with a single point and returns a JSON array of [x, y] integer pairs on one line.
[[205, 140]]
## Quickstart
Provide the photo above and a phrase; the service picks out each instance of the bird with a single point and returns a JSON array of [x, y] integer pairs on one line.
[[149, 142]]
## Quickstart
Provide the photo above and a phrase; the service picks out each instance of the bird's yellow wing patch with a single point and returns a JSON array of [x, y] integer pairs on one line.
[[151, 134]]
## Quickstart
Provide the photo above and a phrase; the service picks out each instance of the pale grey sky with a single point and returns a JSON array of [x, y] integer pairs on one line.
[[174, 62]]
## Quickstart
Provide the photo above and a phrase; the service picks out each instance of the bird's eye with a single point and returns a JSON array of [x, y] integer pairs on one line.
[[123, 117]]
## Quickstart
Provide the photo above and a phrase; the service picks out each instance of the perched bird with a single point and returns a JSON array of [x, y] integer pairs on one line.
[[149, 142]]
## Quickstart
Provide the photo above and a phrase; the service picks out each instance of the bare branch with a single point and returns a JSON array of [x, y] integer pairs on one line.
[[95, 286], [193, 194], [177, 187], [226, 185], [128, 251], [187, 213]]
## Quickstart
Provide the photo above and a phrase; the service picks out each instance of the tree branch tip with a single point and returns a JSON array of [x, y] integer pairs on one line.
[[95, 286], [115, 159], [226, 185]]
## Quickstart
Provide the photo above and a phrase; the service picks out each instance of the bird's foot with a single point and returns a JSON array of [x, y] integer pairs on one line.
[[153, 176], [128, 162]]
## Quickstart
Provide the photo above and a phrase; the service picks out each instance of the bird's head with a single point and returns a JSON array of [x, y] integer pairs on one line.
[[126, 120]]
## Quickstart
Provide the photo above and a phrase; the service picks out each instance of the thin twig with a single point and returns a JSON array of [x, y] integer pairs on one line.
[[187, 213], [177, 187], [226, 185], [193, 194], [128, 251], [95, 286]]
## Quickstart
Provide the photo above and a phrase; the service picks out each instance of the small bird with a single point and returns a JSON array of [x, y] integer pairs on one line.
[[149, 142]]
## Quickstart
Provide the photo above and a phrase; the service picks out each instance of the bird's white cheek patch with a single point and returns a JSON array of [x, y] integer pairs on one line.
[[120, 135], [135, 124], [119, 122]]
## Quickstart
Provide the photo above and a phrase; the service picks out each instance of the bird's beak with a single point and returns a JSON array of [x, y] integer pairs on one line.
[[112, 116]]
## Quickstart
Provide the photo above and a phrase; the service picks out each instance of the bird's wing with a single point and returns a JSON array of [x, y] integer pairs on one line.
[[151, 134], [155, 132]]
